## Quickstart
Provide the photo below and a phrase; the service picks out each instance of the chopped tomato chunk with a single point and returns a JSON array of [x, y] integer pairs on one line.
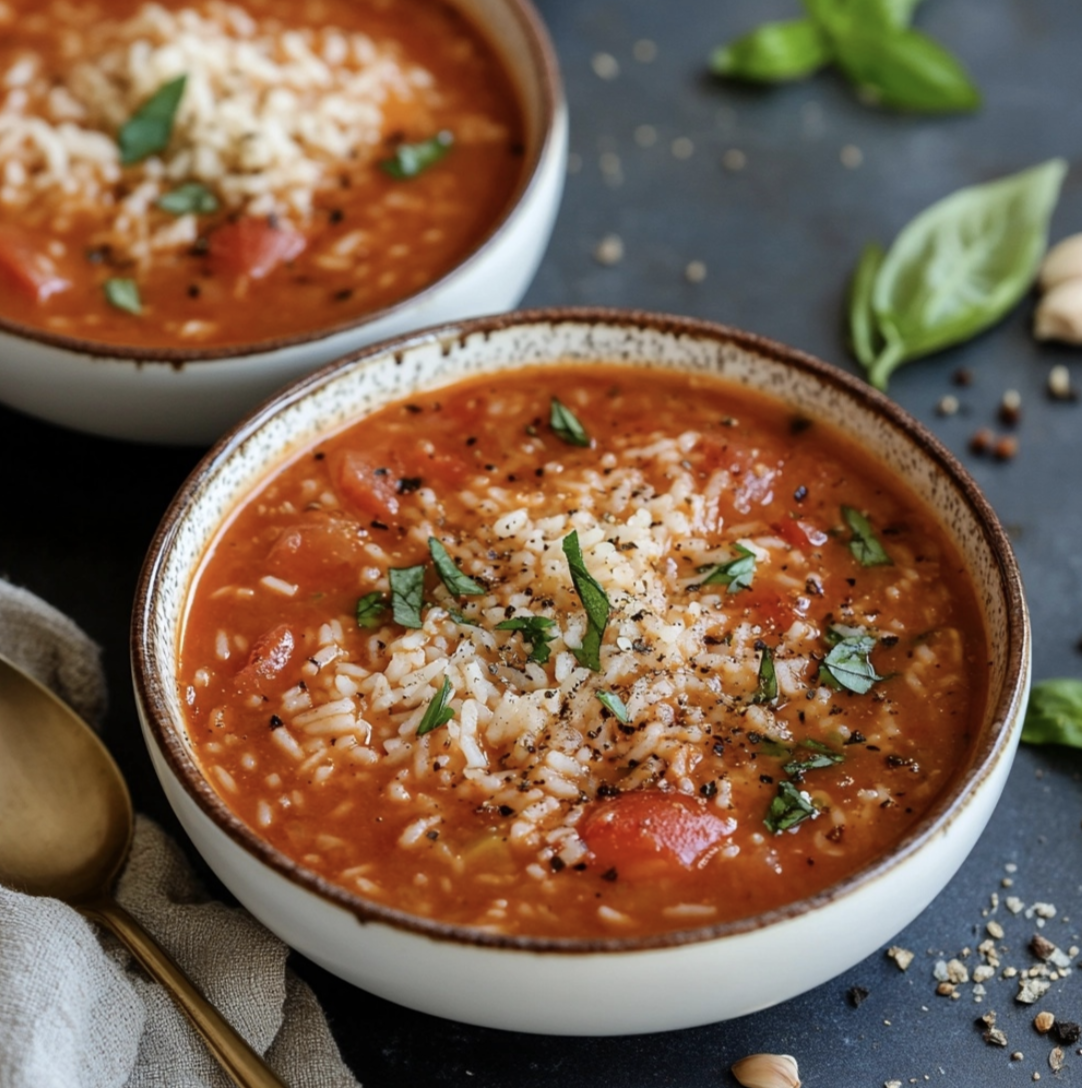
[[647, 833], [313, 549], [368, 484], [253, 247], [269, 656], [26, 266], [799, 534]]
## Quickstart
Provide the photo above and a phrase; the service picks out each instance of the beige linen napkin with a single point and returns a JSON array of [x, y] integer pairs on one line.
[[75, 1010]]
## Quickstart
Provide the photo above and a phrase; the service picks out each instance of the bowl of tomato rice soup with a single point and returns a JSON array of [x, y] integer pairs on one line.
[[582, 672], [201, 200]]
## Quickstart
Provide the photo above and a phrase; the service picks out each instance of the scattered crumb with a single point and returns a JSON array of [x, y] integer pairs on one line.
[[962, 376], [734, 159], [995, 930], [901, 956], [646, 135], [892, 1084], [1017, 1056], [982, 441], [1067, 1032], [695, 272], [1014, 904], [1010, 408], [947, 406], [1005, 449], [1043, 1022], [857, 995], [644, 50], [605, 66], [1059, 383], [1055, 1060], [682, 148], [994, 1037], [1031, 990], [851, 156], [610, 250]]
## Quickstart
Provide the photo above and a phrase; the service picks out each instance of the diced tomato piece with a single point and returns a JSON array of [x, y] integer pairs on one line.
[[771, 611], [269, 656], [26, 266], [368, 484], [310, 549], [799, 534], [648, 833], [253, 247]]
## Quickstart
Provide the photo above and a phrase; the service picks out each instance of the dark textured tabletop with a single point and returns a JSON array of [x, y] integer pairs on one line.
[[747, 206]]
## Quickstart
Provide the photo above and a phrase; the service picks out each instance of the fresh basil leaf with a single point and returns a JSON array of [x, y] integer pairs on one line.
[[192, 197], [124, 295], [863, 329], [905, 69], [1054, 714], [370, 609], [962, 264], [864, 544], [611, 701], [789, 808], [458, 583], [535, 631], [823, 757], [774, 52], [897, 13], [409, 160], [849, 665], [437, 712], [461, 619], [735, 573], [565, 425], [594, 600], [407, 594], [148, 130], [767, 690]]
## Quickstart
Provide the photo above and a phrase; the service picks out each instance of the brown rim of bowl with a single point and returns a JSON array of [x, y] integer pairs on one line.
[[990, 747], [552, 104]]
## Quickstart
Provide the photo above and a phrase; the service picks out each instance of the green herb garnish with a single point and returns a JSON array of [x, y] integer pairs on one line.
[[870, 41], [409, 160], [736, 573], [1054, 714], [407, 594], [789, 808], [849, 665], [124, 295], [458, 583], [594, 600], [535, 631], [461, 619], [613, 702], [767, 691], [370, 609], [957, 268], [565, 425], [147, 131], [864, 544], [437, 712], [822, 757], [191, 197]]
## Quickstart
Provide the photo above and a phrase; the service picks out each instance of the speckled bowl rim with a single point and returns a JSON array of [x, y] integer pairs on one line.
[[546, 70], [1000, 721]]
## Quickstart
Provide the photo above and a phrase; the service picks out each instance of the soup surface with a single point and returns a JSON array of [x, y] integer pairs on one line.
[[204, 174], [582, 653]]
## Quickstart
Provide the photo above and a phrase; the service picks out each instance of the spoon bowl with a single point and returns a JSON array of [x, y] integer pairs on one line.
[[66, 826]]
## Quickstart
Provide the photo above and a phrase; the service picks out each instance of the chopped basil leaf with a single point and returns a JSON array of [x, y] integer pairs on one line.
[[736, 573], [565, 425], [864, 543], [767, 691], [147, 131], [370, 609], [848, 665], [457, 582], [412, 159], [191, 197], [789, 808], [535, 631], [823, 757], [437, 712], [1054, 714], [614, 703], [461, 619], [407, 594], [124, 295], [594, 600]]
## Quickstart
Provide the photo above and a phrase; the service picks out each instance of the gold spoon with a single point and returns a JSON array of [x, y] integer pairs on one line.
[[66, 827]]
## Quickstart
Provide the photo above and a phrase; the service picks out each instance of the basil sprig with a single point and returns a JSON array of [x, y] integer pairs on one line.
[[124, 295], [566, 426], [767, 691], [611, 701], [957, 268], [148, 130], [407, 594], [870, 41], [458, 583], [409, 160], [735, 573], [864, 544], [193, 197], [822, 756], [849, 665], [535, 631], [437, 712], [1054, 714], [370, 609], [594, 600], [789, 808]]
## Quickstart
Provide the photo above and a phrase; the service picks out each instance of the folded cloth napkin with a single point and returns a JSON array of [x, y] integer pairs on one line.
[[75, 1009]]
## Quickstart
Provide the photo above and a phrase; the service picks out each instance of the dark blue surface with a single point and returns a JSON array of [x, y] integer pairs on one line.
[[779, 240]]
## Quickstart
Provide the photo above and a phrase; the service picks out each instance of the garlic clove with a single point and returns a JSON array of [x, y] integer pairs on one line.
[[1059, 313], [1062, 262], [767, 1071]]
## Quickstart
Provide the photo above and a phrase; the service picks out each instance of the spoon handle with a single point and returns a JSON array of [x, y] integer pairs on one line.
[[244, 1066]]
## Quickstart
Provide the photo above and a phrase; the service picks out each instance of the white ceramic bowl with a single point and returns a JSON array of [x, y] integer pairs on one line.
[[176, 396], [567, 986]]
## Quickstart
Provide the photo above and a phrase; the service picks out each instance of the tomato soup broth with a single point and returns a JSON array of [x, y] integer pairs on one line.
[[583, 652], [196, 175]]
